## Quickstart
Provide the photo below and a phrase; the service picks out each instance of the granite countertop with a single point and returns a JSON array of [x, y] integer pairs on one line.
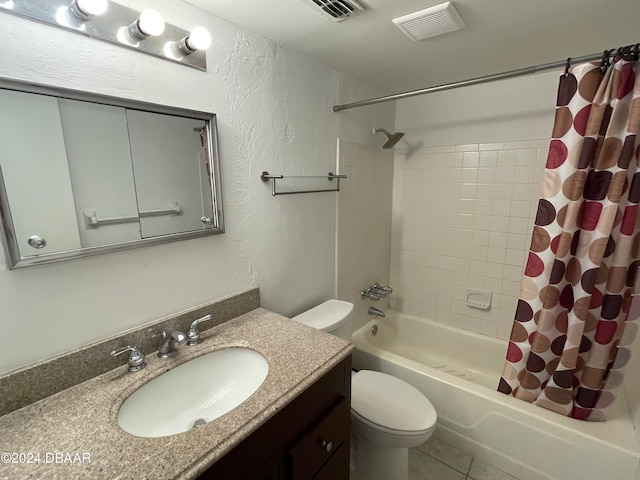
[[74, 434]]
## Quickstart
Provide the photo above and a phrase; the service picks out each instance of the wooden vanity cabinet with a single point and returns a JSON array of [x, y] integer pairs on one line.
[[307, 440], [311, 452]]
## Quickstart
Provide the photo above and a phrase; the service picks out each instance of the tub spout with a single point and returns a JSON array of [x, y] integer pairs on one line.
[[376, 312]]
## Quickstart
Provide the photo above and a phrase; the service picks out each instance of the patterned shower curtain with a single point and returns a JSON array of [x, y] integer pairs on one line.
[[567, 345]]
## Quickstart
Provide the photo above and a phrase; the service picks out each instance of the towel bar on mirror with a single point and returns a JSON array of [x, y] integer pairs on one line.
[[91, 219]]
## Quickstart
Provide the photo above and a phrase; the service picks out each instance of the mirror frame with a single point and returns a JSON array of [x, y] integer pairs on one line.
[[9, 241]]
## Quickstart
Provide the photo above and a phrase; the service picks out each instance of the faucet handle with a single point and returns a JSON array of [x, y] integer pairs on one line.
[[370, 294], [385, 289], [378, 291], [136, 359], [193, 335]]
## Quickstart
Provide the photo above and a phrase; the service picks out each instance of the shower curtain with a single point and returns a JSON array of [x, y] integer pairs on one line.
[[575, 319]]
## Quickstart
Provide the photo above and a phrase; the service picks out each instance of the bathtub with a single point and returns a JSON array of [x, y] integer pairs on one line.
[[459, 370]]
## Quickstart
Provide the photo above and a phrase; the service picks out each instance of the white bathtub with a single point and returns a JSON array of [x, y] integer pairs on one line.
[[459, 371]]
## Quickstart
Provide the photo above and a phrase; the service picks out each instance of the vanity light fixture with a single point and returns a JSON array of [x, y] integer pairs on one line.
[[198, 39], [105, 20], [86, 9]]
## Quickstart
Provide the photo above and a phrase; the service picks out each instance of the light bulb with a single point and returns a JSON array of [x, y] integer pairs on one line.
[[93, 7], [198, 39], [85, 9], [151, 23]]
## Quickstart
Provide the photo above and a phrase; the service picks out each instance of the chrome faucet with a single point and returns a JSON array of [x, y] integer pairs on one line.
[[168, 347], [370, 294], [376, 312], [380, 290], [136, 359], [376, 291], [193, 335]]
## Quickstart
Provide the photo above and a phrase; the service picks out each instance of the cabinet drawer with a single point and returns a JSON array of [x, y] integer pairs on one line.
[[331, 432]]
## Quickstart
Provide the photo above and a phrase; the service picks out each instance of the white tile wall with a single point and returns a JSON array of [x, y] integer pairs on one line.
[[462, 218]]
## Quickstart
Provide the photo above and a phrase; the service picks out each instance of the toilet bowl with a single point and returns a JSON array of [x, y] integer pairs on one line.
[[388, 416]]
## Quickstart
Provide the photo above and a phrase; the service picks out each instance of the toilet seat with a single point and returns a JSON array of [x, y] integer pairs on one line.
[[367, 424], [391, 405]]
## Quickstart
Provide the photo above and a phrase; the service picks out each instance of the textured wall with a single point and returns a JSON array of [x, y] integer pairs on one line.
[[274, 113]]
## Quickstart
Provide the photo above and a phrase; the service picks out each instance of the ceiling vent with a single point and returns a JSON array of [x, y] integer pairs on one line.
[[430, 22], [336, 10]]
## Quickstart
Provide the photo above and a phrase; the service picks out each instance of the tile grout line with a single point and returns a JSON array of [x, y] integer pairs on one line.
[[467, 477], [449, 466]]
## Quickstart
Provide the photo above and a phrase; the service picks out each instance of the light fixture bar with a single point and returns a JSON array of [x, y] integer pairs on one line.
[[111, 27]]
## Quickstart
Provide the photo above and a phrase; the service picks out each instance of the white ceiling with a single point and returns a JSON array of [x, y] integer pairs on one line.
[[500, 35]]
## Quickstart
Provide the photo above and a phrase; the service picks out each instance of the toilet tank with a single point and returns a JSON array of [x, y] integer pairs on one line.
[[332, 316]]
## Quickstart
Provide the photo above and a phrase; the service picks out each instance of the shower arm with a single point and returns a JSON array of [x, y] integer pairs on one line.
[[393, 138]]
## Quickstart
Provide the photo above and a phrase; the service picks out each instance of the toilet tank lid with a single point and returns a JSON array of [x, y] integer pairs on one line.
[[327, 316]]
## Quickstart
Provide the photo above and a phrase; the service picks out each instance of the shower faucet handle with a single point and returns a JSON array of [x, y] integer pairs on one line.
[[385, 289], [370, 294], [378, 291]]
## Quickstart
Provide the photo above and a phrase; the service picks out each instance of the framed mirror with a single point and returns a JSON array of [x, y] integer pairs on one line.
[[82, 174]]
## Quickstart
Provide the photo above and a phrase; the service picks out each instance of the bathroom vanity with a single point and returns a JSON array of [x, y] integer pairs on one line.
[[295, 426], [308, 439]]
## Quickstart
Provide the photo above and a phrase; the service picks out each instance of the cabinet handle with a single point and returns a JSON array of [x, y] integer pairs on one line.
[[328, 446]]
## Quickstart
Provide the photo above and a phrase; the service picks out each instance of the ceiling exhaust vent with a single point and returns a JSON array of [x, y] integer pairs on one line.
[[336, 10], [442, 18]]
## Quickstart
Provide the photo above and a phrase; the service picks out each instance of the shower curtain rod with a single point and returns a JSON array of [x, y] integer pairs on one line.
[[474, 81]]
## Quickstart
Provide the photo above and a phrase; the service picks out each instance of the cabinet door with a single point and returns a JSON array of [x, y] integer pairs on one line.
[[34, 166], [274, 473], [337, 467], [318, 445]]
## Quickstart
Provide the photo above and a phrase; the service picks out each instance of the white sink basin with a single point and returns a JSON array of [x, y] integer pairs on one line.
[[194, 393]]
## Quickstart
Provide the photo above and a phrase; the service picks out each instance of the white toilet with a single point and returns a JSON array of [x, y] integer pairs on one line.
[[388, 416]]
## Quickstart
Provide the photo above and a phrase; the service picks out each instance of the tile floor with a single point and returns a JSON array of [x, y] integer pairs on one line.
[[438, 460]]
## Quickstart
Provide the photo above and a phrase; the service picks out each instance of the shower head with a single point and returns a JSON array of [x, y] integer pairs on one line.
[[393, 137]]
